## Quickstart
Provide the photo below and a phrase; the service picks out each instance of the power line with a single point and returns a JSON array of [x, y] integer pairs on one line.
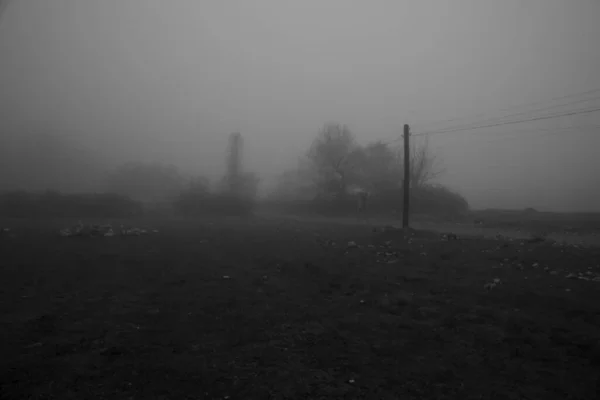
[[524, 113], [519, 134], [585, 111], [542, 132], [543, 117], [392, 140], [521, 106], [469, 126]]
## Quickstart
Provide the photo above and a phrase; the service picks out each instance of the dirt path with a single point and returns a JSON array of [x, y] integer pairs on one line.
[[458, 228]]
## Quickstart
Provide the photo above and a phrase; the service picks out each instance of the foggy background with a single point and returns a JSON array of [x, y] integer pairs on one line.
[[155, 80]]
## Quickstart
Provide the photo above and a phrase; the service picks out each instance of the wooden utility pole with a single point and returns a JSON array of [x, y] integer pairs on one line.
[[405, 204]]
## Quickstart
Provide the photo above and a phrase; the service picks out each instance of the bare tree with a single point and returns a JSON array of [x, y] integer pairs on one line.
[[330, 153], [375, 167], [336, 166], [424, 165]]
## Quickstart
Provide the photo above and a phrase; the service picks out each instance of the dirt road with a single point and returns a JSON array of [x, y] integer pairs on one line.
[[462, 229]]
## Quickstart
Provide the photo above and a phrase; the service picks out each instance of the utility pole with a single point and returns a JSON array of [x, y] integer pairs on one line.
[[405, 204]]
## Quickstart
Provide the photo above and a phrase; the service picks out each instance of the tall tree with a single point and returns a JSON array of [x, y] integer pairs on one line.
[[330, 154], [424, 165], [335, 164], [376, 167]]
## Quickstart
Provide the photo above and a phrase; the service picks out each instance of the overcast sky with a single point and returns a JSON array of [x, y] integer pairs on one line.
[[169, 80]]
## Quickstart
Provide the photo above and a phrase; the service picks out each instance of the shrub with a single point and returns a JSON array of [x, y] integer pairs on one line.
[[193, 203], [53, 204], [437, 201]]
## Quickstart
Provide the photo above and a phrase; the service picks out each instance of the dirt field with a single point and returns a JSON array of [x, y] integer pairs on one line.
[[283, 309]]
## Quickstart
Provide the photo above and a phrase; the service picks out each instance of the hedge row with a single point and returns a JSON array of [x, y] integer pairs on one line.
[[54, 204], [203, 204]]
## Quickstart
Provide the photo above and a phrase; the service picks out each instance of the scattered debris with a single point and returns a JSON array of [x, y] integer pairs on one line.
[[536, 239], [588, 276], [492, 284], [449, 236], [132, 231], [325, 242], [388, 257], [106, 230]]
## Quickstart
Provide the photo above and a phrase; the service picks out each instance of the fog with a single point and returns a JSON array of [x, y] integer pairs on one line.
[[168, 81]]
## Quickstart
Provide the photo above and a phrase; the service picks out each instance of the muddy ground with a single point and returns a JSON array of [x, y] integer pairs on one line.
[[280, 308]]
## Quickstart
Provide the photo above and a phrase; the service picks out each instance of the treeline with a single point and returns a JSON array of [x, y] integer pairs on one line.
[[336, 166], [136, 189], [325, 181]]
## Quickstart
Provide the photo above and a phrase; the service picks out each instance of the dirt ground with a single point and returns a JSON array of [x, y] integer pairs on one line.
[[280, 308]]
